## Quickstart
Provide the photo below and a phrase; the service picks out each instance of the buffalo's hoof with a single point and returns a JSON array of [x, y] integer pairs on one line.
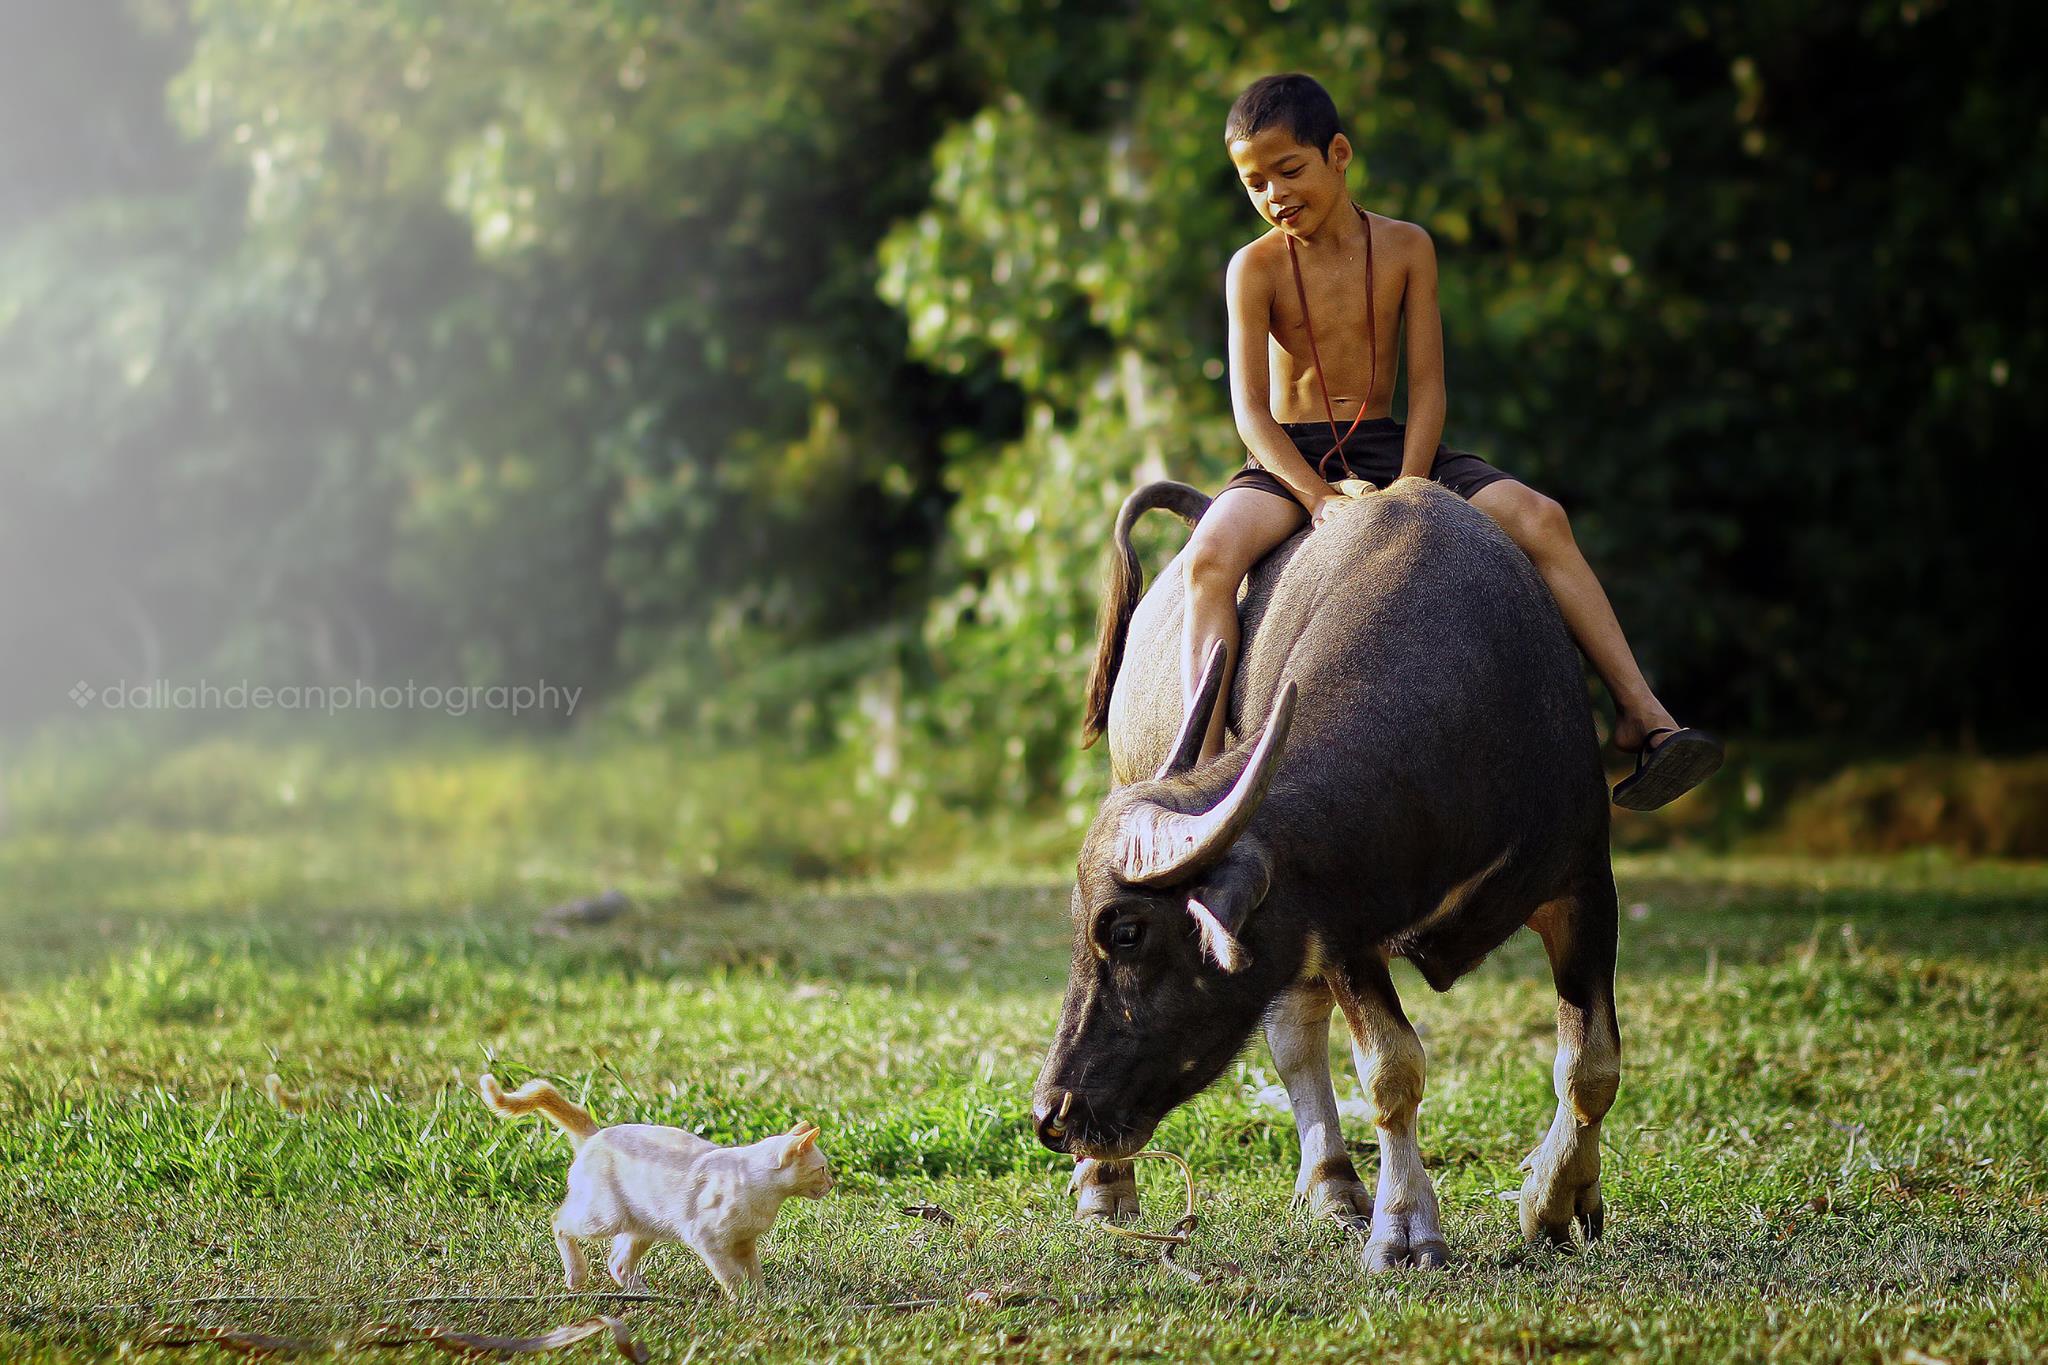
[[1550, 1207], [1107, 1191], [1335, 1195], [1405, 1241]]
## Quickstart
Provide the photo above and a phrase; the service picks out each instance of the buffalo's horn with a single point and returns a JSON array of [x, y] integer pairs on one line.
[[1158, 847], [1188, 744]]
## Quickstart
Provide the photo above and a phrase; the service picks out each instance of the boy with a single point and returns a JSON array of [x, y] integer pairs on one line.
[[1372, 282]]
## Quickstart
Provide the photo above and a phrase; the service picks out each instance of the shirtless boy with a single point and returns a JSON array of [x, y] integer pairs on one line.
[[1372, 283]]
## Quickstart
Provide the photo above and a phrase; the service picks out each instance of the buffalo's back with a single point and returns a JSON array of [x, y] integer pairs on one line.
[[1442, 714]]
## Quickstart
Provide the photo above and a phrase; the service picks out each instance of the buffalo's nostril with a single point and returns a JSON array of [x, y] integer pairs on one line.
[[1051, 1124]]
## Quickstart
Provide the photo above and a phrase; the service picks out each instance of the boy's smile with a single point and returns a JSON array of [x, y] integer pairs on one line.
[[1292, 186]]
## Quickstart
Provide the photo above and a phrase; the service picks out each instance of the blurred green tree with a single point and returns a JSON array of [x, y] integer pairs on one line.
[[768, 350], [1758, 336], [555, 324]]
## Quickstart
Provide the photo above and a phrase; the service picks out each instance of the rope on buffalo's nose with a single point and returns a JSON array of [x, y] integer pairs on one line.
[[1183, 1229]]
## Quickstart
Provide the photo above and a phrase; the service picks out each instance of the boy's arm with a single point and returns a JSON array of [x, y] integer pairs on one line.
[[1424, 343], [1250, 298]]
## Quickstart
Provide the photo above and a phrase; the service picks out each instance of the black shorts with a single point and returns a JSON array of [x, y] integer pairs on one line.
[[1374, 454]]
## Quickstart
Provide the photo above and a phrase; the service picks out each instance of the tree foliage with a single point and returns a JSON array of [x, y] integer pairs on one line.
[[657, 342]]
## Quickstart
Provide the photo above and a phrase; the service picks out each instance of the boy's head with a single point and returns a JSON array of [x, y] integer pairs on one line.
[[1284, 138]]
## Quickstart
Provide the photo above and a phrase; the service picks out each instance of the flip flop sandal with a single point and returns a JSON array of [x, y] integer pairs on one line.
[[1670, 770]]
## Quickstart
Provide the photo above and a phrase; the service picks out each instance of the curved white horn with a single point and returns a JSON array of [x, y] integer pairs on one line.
[[1188, 743], [1158, 847]]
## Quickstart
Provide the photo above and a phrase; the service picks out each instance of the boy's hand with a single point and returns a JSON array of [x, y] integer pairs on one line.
[[1320, 513]]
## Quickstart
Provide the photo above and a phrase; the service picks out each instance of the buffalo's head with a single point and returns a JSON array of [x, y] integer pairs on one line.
[[1171, 972]]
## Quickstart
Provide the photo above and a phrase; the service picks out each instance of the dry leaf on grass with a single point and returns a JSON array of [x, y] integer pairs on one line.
[[931, 1213]]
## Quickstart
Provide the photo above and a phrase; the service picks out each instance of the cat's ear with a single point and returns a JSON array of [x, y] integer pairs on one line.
[[797, 1142]]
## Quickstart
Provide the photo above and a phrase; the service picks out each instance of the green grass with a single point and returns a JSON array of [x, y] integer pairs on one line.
[[154, 965]]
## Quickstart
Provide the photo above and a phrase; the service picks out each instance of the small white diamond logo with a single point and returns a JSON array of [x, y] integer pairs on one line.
[[83, 693]]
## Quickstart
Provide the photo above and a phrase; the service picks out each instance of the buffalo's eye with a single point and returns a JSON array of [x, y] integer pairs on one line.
[[1125, 933]]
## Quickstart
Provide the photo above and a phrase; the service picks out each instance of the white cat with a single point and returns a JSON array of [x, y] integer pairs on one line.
[[640, 1183]]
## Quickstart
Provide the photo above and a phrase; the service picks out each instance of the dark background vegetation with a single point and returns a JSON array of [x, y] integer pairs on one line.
[[773, 370]]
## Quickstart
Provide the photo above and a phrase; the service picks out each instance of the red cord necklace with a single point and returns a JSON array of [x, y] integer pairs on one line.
[[1372, 330]]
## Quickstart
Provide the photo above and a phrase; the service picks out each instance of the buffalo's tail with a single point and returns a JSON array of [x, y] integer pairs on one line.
[[1123, 585]]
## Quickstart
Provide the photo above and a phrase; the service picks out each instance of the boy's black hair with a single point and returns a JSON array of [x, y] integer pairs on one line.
[[1293, 101]]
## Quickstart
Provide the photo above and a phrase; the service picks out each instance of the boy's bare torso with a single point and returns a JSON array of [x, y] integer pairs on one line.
[[1334, 278]]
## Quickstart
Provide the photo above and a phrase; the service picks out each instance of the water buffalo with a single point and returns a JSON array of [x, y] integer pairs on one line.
[[1415, 774]]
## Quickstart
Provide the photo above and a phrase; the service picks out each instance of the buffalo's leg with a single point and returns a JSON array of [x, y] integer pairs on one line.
[[1406, 1227], [1105, 1190], [1564, 1172], [1298, 1031]]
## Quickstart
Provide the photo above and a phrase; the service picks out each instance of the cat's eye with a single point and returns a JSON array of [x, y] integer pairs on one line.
[[1125, 933]]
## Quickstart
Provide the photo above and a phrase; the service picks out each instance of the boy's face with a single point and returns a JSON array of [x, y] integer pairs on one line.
[[1293, 187]]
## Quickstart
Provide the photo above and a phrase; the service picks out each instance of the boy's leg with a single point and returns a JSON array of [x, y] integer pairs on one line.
[[1539, 525], [1237, 530]]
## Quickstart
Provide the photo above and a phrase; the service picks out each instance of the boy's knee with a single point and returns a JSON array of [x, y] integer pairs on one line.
[[1210, 568], [1534, 519]]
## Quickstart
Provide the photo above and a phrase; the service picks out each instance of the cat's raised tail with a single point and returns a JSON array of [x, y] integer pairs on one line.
[[543, 1097]]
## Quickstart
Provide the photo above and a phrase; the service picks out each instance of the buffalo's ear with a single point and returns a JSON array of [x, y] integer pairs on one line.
[[1224, 899]]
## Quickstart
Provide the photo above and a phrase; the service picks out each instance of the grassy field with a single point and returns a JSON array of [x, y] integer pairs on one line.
[[1831, 1141]]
